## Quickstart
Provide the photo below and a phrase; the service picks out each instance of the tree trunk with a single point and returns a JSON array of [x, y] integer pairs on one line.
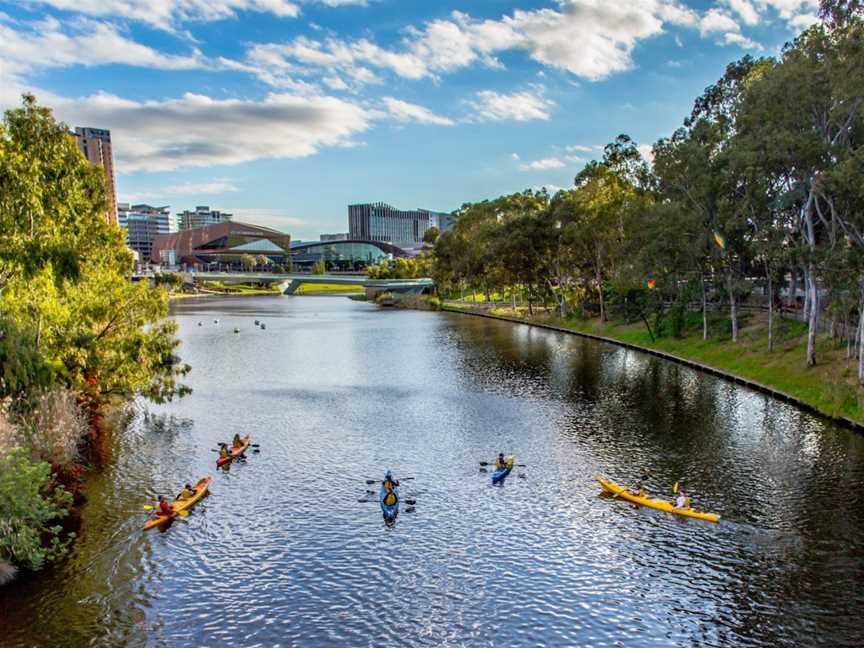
[[704, 309], [770, 313], [530, 307], [513, 299], [813, 316], [733, 309], [792, 297], [861, 346]]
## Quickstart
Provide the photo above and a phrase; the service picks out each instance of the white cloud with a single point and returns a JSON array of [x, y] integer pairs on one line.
[[407, 112], [741, 41], [745, 10], [519, 106], [214, 187], [788, 9], [582, 148], [588, 38], [543, 165], [197, 131], [514, 156], [717, 21], [166, 14], [647, 152], [48, 44], [803, 21]]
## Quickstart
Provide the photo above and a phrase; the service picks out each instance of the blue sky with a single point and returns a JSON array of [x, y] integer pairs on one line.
[[286, 111]]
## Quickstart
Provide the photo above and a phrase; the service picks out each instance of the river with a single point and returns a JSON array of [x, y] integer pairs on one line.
[[335, 391]]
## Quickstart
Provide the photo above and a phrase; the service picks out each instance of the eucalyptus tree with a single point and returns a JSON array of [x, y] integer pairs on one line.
[[814, 145]]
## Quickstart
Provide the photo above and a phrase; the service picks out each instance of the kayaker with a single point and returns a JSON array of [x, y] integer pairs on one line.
[[639, 491], [223, 450], [186, 493], [389, 483], [682, 501], [500, 462], [238, 442], [164, 506]]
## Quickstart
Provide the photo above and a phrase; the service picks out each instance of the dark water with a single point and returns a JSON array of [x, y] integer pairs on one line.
[[282, 553]]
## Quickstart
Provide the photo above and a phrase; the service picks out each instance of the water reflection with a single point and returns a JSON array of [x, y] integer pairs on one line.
[[334, 391]]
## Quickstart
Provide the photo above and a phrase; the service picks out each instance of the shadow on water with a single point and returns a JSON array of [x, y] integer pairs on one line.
[[336, 390]]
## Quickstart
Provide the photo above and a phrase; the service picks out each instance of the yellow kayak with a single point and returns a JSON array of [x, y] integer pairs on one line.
[[178, 505], [659, 504]]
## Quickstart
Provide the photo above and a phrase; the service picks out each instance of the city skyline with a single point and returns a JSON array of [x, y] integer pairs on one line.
[[285, 112]]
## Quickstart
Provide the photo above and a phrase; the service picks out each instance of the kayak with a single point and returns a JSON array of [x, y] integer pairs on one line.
[[501, 473], [235, 452], [389, 508], [179, 505], [659, 504]]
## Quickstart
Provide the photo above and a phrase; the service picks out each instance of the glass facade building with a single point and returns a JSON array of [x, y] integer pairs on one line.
[[143, 223], [342, 255], [201, 216], [384, 223]]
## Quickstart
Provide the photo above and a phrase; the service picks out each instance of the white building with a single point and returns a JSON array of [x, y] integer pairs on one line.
[[142, 223]]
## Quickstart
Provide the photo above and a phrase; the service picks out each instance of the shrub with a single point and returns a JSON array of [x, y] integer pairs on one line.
[[53, 429], [28, 505]]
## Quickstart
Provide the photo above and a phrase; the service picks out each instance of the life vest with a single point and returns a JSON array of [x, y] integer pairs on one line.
[[390, 498], [223, 451], [186, 493], [238, 443], [500, 464], [389, 484]]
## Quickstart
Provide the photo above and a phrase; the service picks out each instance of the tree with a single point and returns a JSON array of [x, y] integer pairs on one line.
[[66, 282], [431, 235], [248, 261], [319, 268]]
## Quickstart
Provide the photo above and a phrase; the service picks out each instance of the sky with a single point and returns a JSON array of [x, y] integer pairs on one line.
[[286, 111]]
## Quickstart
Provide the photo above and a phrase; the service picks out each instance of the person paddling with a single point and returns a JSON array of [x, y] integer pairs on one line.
[[682, 501], [238, 442], [223, 450], [639, 491], [500, 462], [186, 493], [165, 507], [389, 483]]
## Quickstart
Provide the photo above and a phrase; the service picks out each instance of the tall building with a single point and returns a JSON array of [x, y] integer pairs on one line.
[[382, 222], [143, 224], [201, 217], [335, 237], [95, 144]]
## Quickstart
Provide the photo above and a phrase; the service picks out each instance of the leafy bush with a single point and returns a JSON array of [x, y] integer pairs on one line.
[[28, 506]]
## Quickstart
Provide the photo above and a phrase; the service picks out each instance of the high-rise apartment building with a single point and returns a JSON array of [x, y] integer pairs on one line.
[[382, 222], [200, 217], [142, 224], [95, 144]]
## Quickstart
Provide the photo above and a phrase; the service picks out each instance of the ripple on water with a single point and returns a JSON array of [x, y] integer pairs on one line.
[[282, 553]]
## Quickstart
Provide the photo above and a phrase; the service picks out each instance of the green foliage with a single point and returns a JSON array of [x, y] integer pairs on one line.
[[64, 275], [431, 235], [248, 261], [30, 506], [319, 268]]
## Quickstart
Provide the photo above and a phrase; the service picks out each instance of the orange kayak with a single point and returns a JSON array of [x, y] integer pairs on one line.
[[179, 505], [235, 452]]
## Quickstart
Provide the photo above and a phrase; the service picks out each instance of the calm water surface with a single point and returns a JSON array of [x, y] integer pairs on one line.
[[283, 554]]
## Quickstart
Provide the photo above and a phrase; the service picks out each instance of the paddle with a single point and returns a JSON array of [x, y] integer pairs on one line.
[[409, 502], [489, 463], [375, 481], [181, 513]]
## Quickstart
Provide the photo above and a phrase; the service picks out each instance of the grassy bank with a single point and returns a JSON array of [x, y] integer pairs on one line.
[[327, 289], [830, 387]]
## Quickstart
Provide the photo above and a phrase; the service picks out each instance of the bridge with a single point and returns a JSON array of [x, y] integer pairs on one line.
[[290, 282]]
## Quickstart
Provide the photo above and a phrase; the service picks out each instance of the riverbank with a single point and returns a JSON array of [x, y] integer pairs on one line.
[[829, 389]]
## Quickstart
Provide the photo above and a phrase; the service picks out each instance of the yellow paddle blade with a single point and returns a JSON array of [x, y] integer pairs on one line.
[[149, 507], [675, 488], [183, 513]]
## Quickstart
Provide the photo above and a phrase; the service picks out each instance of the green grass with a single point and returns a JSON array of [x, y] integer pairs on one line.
[[323, 289], [830, 387]]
